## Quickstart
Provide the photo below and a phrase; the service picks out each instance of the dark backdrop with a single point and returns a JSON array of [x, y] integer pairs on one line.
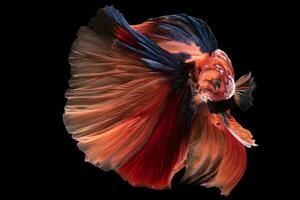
[[248, 32]]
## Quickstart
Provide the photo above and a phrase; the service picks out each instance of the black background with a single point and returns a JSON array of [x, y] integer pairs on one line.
[[250, 33]]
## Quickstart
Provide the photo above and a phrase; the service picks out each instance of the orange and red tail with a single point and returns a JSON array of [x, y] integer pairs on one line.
[[154, 165]]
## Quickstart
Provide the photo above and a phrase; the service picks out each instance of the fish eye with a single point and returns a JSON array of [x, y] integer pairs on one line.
[[217, 84]]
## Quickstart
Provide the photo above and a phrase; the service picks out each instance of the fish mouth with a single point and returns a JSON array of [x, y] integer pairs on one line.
[[206, 93]]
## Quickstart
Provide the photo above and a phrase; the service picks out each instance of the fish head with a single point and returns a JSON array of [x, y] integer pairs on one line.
[[216, 78]]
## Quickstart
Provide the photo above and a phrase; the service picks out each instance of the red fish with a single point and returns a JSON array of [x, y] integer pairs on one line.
[[148, 100]]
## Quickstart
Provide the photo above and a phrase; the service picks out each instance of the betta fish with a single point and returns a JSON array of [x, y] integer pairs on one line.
[[152, 99]]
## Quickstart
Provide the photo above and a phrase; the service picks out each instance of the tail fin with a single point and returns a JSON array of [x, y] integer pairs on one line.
[[122, 108], [162, 156]]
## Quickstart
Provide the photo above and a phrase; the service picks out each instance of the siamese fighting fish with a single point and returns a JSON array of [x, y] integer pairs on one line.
[[152, 99]]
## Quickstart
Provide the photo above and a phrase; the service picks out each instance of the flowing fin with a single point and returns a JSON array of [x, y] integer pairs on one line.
[[110, 24], [241, 134], [162, 156], [243, 91], [215, 158], [181, 32], [122, 98]]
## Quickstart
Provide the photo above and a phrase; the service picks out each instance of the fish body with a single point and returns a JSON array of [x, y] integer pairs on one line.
[[148, 100]]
